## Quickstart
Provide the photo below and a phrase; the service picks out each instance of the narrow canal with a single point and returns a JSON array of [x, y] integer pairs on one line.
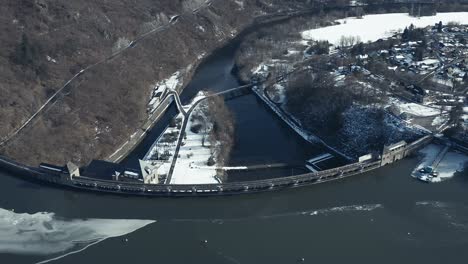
[[260, 136]]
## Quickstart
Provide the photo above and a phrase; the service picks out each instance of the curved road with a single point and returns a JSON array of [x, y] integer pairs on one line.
[[132, 44], [185, 118]]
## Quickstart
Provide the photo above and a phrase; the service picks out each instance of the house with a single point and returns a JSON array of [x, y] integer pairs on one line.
[[149, 172], [394, 152], [73, 169]]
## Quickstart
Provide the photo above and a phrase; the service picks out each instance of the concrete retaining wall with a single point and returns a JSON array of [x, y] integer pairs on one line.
[[140, 189]]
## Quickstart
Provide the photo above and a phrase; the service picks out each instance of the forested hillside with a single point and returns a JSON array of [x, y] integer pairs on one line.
[[45, 43]]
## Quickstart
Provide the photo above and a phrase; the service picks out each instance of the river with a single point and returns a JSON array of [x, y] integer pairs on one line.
[[384, 216], [260, 136], [380, 217]]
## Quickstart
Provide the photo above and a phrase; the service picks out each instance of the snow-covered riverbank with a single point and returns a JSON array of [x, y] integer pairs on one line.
[[450, 164], [290, 120]]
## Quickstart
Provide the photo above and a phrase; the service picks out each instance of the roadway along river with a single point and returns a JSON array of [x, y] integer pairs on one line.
[[380, 217], [260, 136]]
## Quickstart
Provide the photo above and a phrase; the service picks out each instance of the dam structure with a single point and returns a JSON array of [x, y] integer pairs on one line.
[[108, 177]]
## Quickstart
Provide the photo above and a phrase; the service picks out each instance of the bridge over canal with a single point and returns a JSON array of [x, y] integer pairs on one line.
[[227, 95]]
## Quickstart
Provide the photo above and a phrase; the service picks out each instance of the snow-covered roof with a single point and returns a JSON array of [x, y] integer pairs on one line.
[[429, 61], [397, 145]]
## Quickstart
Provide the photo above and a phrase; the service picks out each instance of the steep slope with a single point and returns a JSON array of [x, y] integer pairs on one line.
[[45, 43]]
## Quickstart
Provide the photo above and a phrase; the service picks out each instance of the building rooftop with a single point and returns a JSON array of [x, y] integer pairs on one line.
[[103, 170]]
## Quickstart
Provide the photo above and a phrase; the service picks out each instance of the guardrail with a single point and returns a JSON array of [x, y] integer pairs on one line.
[[129, 188], [141, 189], [253, 186], [225, 188], [418, 144]]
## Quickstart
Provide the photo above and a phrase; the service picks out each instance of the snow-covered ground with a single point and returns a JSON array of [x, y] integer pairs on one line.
[[452, 162], [277, 93], [429, 154], [262, 70], [191, 165], [374, 27], [440, 120], [414, 109], [159, 88], [45, 234], [161, 148], [162, 151]]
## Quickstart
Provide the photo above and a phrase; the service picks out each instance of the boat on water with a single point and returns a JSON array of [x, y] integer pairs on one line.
[[427, 174]]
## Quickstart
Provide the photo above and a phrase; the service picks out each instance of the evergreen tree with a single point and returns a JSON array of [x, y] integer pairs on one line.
[[405, 35], [462, 40], [439, 27], [423, 43], [419, 54], [24, 53]]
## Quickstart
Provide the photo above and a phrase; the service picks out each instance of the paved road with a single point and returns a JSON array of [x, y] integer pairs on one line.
[[132, 44], [186, 116], [179, 104]]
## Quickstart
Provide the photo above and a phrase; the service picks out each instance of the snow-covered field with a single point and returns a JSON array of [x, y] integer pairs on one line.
[[191, 166], [159, 149], [44, 234], [414, 109], [452, 163], [374, 27]]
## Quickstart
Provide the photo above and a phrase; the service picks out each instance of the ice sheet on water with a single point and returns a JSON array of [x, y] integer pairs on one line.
[[338, 210], [45, 234], [347, 208]]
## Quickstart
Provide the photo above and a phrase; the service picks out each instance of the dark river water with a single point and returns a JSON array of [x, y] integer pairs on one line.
[[260, 136], [380, 217]]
